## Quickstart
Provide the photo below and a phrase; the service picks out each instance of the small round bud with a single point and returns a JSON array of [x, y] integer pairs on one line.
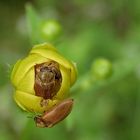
[[101, 68], [51, 29]]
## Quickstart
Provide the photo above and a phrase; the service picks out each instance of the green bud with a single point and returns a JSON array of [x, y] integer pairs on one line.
[[101, 68], [51, 29]]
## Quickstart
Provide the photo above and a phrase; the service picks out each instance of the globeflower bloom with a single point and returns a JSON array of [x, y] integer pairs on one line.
[[42, 79]]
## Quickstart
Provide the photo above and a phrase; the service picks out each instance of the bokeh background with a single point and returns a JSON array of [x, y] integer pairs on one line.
[[108, 109]]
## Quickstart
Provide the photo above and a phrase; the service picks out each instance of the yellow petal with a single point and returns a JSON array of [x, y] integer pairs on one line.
[[24, 66], [45, 46], [27, 82], [65, 85], [15, 69], [32, 103]]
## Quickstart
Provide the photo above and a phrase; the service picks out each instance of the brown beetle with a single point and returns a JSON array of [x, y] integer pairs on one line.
[[48, 79], [55, 114]]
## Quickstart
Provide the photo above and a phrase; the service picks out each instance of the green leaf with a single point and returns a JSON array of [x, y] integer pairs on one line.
[[33, 23]]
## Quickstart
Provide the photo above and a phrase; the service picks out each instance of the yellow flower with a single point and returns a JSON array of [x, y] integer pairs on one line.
[[43, 61]]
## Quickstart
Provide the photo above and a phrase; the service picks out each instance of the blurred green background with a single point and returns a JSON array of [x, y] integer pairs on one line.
[[104, 110]]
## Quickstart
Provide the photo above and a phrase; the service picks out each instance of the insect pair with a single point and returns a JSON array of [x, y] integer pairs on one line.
[[48, 81]]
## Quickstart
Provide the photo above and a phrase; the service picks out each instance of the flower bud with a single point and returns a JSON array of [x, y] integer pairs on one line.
[[51, 29], [101, 69], [42, 79]]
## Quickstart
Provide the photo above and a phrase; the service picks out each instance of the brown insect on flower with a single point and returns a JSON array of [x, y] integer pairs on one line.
[[55, 114], [48, 79]]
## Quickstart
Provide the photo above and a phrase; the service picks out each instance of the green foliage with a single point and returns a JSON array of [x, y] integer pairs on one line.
[[41, 30], [34, 23], [107, 109]]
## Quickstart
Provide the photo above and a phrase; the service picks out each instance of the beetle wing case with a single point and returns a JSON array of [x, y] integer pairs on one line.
[[55, 114]]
